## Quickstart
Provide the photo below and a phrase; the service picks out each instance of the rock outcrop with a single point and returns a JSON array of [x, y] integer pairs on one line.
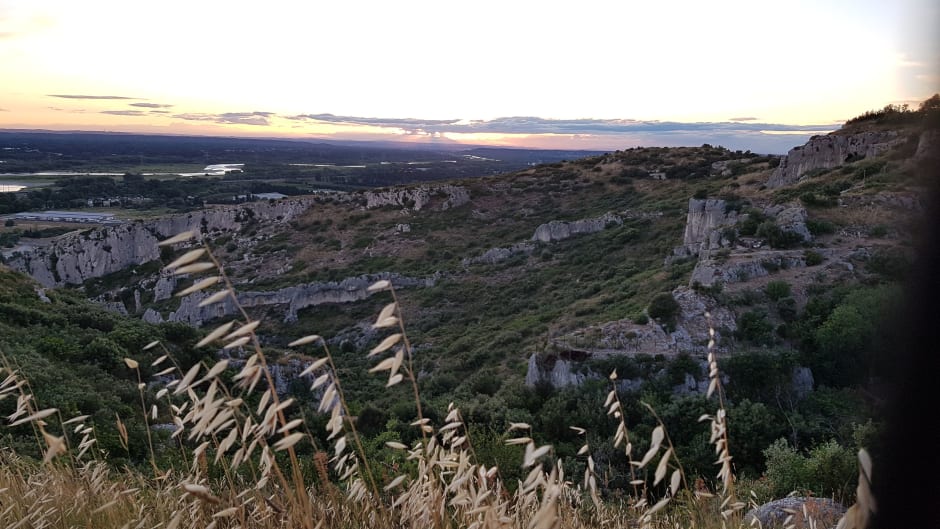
[[805, 512], [704, 224], [77, 257], [832, 150], [790, 218], [557, 230], [558, 372], [928, 145], [498, 255], [293, 298], [623, 337], [418, 198], [742, 267]]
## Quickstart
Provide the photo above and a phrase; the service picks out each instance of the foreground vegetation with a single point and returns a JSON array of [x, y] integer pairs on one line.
[[203, 439], [247, 458]]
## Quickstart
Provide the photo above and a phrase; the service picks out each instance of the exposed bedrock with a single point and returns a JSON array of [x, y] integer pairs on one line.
[[557, 230], [77, 257], [418, 198], [832, 150], [293, 298]]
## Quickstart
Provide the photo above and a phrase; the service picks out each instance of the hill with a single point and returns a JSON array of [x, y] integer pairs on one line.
[[522, 292]]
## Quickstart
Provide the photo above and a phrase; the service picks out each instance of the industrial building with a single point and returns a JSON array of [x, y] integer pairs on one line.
[[66, 216]]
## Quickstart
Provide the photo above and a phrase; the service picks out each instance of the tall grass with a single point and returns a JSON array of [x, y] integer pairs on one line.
[[248, 463]]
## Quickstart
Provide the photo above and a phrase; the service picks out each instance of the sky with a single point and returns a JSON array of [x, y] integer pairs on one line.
[[746, 74]]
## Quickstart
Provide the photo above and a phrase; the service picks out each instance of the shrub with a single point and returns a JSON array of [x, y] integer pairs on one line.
[[748, 226], [889, 264], [754, 327], [812, 200], [664, 308], [820, 227], [777, 290], [813, 258], [777, 237]]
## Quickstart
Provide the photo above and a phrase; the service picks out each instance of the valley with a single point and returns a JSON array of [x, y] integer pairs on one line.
[[522, 292]]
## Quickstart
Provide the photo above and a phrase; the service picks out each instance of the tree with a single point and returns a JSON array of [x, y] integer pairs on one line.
[[664, 308], [841, 342]]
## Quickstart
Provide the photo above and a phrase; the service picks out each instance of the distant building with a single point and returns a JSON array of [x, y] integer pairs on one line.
[[66, 216]]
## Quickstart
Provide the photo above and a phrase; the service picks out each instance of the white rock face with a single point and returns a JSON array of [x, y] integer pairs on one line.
[[743, 267], [555, 371], [76, 257], [792, 218], [557, 230], [498, 255], [832, 150], [703, 225], [164, 287], [152, 316], [294, 298], [418, 198]]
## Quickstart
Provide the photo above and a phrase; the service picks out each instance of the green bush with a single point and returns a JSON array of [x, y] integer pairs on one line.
[[889, 264], [820, 227], [813, 258], [664, 308], [777, 237], [754, 218], [777, 290], [828, 470], [754, 327]]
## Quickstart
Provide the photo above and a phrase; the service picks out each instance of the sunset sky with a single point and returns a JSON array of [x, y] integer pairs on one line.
[[747, 74]]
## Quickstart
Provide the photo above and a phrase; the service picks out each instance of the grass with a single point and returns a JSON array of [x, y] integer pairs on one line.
[[249, 458]]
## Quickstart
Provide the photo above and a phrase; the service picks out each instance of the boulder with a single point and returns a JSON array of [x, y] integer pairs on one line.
[[557, 230], [807, 513]]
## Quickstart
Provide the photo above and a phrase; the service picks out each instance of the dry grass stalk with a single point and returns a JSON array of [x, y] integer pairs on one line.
[[221, 436]]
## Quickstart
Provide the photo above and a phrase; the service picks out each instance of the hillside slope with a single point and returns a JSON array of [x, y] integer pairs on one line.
[[518, 286]]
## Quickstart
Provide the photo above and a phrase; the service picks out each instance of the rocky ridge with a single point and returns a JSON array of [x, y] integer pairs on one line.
[[77, 257], [418, 198], [293, 298], [831, 150]]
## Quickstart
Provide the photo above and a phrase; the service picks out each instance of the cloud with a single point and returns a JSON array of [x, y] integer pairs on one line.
[[4, 109], [150, 105], [124, 112], [85, 96], [537, 125], [379, 122], [230, 118]]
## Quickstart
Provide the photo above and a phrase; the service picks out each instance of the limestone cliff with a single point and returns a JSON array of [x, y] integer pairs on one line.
[[77, 257], [558, 230], [293, 298], [832, 150], [498, 255], [418, 198], [703, 225]]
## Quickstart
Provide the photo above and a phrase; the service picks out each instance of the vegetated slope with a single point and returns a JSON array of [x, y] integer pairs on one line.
[[71, 353], [591, 265]]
